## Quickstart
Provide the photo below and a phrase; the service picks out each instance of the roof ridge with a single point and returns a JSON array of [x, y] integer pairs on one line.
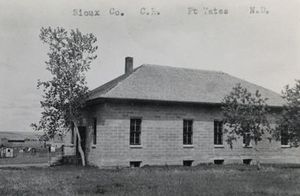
[[212, 71], [191, 69]]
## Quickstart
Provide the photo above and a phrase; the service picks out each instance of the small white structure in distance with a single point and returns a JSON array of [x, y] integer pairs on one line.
[[9, 152]]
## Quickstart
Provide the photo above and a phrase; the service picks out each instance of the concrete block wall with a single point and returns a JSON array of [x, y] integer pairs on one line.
[[69, 147], [161, 137]]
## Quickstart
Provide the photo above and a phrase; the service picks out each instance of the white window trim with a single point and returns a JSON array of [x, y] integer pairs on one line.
[[249, 146], [219, 145], [285, 146], [136, 146], [188, 145]]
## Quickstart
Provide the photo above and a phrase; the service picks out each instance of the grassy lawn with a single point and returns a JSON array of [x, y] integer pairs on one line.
[[200, 180]]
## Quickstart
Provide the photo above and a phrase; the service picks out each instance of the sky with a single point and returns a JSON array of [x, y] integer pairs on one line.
[[260, 48]]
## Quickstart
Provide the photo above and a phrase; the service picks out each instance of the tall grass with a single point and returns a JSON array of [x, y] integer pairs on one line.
[[173, 181]]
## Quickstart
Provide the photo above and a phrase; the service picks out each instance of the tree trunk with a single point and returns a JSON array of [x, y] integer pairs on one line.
[[258, 165], [257, 158], [82, 155]]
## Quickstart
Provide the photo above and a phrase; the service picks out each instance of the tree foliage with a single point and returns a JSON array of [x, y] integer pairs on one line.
[[289, 121], [245, 113], [70, 55]]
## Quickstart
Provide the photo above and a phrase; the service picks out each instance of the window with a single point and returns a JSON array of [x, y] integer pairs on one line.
[[219, 161], [284, 138], [72, 133], [218, 132], [187, 132], [247, 161], [135, 163], [247, 139], [94, 131], [187, 163], [16, 141], [135, 131]]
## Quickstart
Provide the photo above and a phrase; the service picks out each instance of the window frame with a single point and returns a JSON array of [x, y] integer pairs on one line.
[[187, 131], [248, 134], [218, 133], [95, 131], [135, 131], [72, 133], [187, 163], [134, 164], [287, 143]]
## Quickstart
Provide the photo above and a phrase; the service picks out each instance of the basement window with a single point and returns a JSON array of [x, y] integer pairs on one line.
[[247, 161], [219, 161], [187, 163], [135, 163]]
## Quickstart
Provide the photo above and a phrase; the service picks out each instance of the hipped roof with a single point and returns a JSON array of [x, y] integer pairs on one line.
[[164, 83]]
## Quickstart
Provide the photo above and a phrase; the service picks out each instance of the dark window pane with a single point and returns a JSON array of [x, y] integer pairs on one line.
[[95, 131], [137, 139], [246, 139], [72, 133], [189, 138], [218, 132], [284, 138], [187, 131]]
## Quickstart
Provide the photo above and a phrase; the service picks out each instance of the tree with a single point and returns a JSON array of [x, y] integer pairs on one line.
[[289, 121], [245, 115], [70, 55]]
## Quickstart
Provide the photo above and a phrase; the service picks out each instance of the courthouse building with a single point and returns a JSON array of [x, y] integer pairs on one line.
[[161, 115]]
